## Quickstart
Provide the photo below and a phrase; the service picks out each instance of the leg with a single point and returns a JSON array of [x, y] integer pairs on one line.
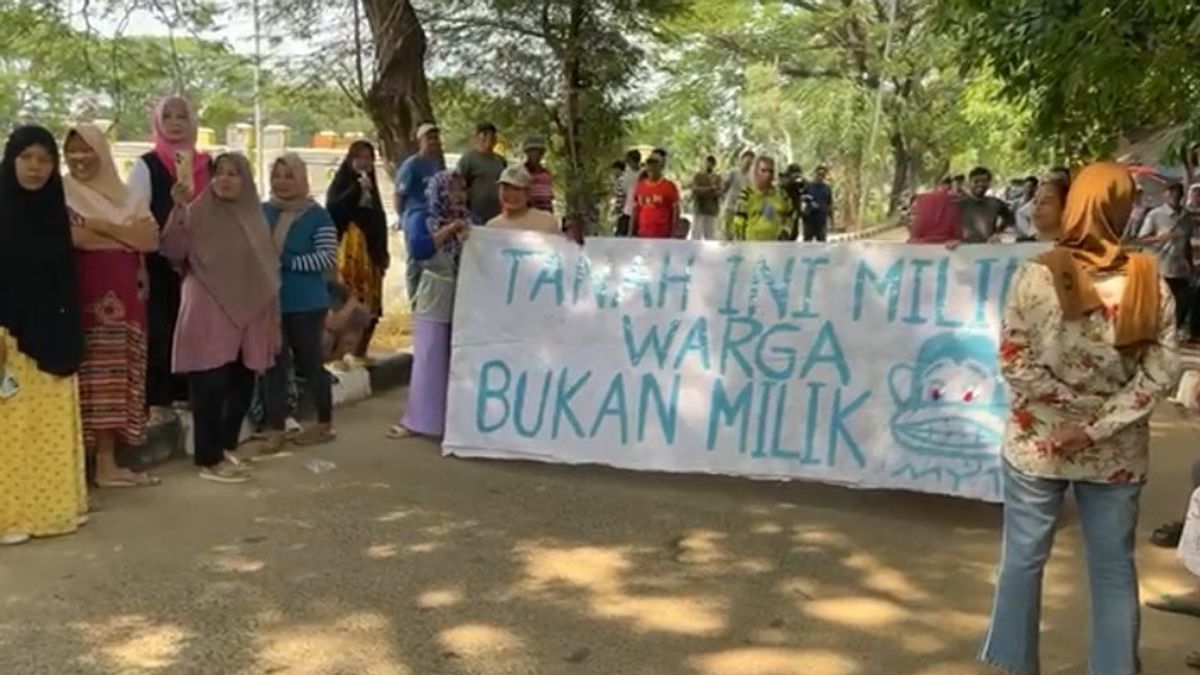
[[305, 338], [364, 344], [275, 384], [1108, 515], [209, 389], [237, 404], [1031, 508], [160, 329], [1179, 289]]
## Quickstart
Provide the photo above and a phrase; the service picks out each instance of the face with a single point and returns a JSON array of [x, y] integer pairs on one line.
[[1175, 198], [710, 164], [1048, 210], [284, 181], [227, 180], [1029, 190], [535, 155], [821, 174], [82, 160], [764, 175], [747, 161], [654, 169], [34, 166], [485, 141], [458, 191], [363, 159], [431, 143], [176, 123], [513, 198], [980, 185]]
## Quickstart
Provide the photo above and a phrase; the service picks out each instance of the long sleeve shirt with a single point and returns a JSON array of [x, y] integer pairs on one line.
[[1068, 372], [309, 250]]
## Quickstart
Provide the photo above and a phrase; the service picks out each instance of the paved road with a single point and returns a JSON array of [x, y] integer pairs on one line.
[[401, 562]]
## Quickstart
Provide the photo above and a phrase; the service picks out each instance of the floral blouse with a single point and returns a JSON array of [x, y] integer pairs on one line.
[[1070, 373]]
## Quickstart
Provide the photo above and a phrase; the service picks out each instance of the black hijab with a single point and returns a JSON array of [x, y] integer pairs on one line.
[[343, 200], [38, 302]]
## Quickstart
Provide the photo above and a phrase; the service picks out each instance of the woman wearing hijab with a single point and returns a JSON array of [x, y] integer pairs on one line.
[[173, 161], [228, 327], [935, 220], [42, 490], [306, 239], [437, 248], [353, 200], [1088, 347], [111, 231]]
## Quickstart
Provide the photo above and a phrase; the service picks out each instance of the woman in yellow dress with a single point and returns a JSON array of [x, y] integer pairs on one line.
[[42, 487]]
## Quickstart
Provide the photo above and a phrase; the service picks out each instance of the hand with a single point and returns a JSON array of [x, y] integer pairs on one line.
[[365, 181], [953, 244], [181, 194], [1069, 439]]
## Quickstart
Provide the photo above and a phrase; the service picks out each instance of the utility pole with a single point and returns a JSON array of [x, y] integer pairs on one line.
[[259, 161]]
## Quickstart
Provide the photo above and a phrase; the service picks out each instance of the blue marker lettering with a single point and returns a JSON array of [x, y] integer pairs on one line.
[[614, 406], [780, 352], [731, 346], [652, 340], [810, 282], [562, 403], [517, 254], [684, 281], [888, 287], [668, 411], [837, 427], [827, 349], [492, 392], [733, 263], [730, 413], [914, 316]]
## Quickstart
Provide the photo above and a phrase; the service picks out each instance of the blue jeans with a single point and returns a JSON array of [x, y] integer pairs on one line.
[[1108, 516]]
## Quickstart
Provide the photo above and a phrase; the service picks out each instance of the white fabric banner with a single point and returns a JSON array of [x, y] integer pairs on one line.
[[866, 364]]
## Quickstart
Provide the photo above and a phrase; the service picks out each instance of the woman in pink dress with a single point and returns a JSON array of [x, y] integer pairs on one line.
[[228, 328], [111, 231]]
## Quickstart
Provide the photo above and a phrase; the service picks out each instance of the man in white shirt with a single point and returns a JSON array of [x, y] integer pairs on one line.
[[629, 179], [736, 180], [1023, 213], [1168, 230], [515, 212]]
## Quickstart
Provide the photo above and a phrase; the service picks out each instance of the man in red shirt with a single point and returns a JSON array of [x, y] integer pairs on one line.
[[655, 203]]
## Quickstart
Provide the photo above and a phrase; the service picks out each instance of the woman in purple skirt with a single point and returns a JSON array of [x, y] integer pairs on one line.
[[436, 245]]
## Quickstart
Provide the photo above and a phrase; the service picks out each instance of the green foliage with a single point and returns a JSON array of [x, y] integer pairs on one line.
[[1091, 71]]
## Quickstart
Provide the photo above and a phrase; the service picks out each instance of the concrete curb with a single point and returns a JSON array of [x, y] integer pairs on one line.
[[168, 441], [860, 234]]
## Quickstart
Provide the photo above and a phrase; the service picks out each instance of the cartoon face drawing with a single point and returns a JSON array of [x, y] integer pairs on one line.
[[950, 403]]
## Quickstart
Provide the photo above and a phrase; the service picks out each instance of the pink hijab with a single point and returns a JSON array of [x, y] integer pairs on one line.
[[233, 255], [166, 149], [935, 219]]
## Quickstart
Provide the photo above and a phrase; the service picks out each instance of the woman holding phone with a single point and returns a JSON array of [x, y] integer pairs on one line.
[[111, 231], [354, 203], [173, 162], [228, 327], [42, 489]]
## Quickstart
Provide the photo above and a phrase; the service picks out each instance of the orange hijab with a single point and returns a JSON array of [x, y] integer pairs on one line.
[[1098, 206]]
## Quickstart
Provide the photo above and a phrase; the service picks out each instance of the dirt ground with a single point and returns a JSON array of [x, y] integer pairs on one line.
[[402, 562]]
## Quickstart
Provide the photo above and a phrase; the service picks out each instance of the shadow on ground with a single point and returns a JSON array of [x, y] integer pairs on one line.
[[401, 562]]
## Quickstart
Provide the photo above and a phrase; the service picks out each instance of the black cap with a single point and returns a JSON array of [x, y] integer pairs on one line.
[[485, 128]]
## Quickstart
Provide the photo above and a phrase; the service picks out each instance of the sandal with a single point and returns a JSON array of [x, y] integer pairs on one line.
[[1192, 660], [133, 480], [400, 432], [315, 435], [1173, 605], [13, 538], [1167, 535]]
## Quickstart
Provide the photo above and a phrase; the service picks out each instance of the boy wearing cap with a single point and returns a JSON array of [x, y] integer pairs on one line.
[[481, 167], [655, 203], [541, 186], [516, 209]]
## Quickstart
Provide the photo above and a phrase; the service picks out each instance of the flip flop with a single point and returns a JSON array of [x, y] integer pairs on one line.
[[1172, 605], [1167, 535], [1192, 660], [139, 480], [314, 436], [399, 433]]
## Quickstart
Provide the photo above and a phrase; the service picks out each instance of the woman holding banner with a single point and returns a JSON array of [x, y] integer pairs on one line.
[[437, 247], [1088, 347]]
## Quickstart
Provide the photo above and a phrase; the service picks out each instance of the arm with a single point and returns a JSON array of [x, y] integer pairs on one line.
[[176, 237], [634, 211], [1156, 376], [1019, 363], [675, 211], [138, 182], [86, 239], [324, 252], [140, 236], [420, 241]]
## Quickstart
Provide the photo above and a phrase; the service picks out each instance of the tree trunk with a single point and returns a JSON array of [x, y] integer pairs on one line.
[[397, 100], [573, 112], [901, 164]]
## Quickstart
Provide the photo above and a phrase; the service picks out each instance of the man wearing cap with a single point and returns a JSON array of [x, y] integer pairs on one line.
[[516, 209], [411, 179], [655, 203], [541, 187], [481, 168]]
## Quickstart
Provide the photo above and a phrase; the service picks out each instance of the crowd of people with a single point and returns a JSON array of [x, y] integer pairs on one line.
[[120, 302]]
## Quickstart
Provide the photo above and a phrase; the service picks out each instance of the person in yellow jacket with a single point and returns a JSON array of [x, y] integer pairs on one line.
[[762, 208]]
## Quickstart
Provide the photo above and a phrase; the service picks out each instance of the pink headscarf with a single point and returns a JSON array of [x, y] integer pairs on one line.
[[935, 219], [166, 149]]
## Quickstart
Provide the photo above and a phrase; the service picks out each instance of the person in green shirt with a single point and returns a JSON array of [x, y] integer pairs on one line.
[[763, 210]]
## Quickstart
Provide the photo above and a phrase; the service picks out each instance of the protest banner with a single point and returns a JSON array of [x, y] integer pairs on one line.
[[866, 364]]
